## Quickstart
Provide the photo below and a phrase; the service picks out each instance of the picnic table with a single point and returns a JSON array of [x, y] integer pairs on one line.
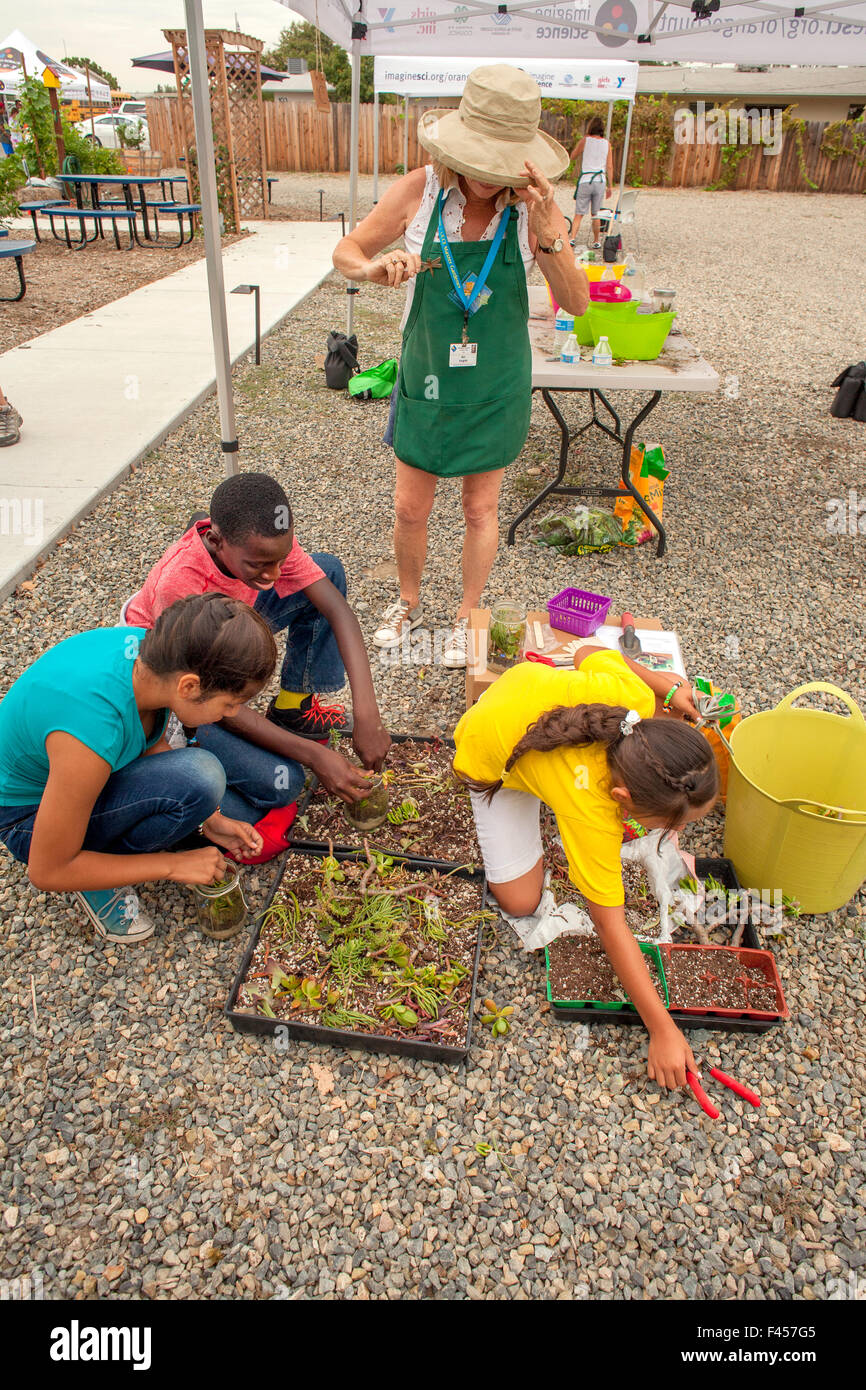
[[16, 250], [680, 368], [125, 183]]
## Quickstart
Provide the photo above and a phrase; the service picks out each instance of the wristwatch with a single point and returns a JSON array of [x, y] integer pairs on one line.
[[551, 250]]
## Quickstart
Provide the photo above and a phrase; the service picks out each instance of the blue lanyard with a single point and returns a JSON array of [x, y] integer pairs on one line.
[[468, 300]]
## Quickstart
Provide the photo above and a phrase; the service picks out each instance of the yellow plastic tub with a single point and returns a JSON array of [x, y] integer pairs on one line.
[[595, 272], [796, 811]]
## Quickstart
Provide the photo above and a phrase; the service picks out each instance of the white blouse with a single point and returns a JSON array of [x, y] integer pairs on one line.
[[453, 220]]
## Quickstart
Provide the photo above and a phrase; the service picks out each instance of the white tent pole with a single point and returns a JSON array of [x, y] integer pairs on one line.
[[353, 160], [609, 120], [210, 221], [375, 145], [406, 134], [624, 162]]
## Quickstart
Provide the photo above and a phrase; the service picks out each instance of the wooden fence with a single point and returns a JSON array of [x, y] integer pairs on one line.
[[298, 138]]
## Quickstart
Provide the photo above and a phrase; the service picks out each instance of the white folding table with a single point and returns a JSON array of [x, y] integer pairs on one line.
[[680, 368]]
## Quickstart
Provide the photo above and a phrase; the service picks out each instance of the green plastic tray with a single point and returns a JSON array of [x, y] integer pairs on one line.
[[649, 948]]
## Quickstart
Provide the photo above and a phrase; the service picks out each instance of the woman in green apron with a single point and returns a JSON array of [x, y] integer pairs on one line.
[[474, 222]]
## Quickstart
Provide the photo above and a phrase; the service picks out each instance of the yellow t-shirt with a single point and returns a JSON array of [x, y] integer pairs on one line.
[[573, 782]]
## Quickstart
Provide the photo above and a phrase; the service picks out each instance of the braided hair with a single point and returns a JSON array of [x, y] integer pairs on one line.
[[667, 767], [221, 640]]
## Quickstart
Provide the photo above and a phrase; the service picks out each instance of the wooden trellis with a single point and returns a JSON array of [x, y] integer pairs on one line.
[[234, 69]]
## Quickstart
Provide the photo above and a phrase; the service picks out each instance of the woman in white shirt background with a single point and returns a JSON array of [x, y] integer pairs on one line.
[[595, 179]]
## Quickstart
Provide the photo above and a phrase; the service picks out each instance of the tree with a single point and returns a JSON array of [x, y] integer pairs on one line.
[[299, 41], [96, 70]]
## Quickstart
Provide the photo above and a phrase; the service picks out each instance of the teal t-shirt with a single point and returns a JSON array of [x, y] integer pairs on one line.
[[82, 687]]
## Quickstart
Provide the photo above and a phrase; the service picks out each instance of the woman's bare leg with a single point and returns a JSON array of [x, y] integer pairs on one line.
[[481, 511], [413, 502]]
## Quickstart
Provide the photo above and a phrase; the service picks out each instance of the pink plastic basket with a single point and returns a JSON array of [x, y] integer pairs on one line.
[[578, 611]]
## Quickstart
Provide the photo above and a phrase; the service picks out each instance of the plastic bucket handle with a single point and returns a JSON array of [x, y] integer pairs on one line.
[[819, 808], [827, 689]]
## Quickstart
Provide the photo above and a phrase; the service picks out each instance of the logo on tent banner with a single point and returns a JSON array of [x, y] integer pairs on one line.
[[388, 15], [425, 16], [617, 19], [502, 20], [461, 13]]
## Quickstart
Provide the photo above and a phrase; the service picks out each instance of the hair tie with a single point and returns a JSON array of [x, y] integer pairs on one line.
[[627, 725]]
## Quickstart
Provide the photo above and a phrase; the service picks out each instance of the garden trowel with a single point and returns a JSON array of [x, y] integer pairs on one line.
[[629, 642]]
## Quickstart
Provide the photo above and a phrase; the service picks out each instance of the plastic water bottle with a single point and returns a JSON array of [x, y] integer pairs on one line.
[[608, 273], [570, 350], [602, 355], [630, 264], [563, 330]]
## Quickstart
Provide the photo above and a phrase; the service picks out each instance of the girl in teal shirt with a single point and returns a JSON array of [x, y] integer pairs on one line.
[[91, 796]]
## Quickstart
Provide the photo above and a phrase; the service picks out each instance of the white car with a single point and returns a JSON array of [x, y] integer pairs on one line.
[[104, 130]]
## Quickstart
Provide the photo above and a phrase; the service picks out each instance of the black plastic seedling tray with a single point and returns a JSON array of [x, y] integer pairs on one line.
[[337, 1037], [724, 871], [399, 856]]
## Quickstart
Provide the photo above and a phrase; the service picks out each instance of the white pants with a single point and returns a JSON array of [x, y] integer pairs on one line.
[[509, 833]]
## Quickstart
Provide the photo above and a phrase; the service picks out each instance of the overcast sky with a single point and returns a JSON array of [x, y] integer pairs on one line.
[[111, 32]]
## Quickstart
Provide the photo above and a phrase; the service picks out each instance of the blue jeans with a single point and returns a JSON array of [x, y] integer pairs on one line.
[[148, 805], [312, 661], [257, 781]]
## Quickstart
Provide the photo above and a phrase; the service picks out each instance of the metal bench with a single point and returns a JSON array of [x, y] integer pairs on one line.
[[16, 250], [33, 208], [180, 210], [99, 217]]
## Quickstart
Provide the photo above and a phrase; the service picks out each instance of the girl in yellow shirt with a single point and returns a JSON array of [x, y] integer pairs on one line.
[[595, 744]]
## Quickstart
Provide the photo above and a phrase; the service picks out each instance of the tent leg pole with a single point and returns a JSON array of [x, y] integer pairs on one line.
[[406, 135], [623, 165], [353, 166], [609, 120], [375, 147], [211, 225]]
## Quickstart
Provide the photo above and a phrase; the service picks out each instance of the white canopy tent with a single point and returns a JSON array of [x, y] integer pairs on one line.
[[19, 57], [588, 80], [764, 31]]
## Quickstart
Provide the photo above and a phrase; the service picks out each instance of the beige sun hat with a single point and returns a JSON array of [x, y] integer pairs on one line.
[[495, 130]]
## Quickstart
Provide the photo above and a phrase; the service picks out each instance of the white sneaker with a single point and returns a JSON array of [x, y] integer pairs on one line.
[[398, 621], [454, 655]]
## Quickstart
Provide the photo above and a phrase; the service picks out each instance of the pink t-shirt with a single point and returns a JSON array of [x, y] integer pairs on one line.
[[188, 567]]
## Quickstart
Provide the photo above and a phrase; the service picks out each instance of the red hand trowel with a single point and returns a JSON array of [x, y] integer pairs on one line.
[[629, 642]]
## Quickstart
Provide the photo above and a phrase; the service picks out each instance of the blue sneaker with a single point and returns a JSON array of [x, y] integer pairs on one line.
[[116, 914]]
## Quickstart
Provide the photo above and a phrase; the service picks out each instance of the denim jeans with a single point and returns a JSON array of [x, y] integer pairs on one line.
[[148, 805], [312, 661], [257, 781]]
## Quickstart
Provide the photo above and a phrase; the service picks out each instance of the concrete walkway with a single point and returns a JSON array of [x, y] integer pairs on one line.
[[98, 393]]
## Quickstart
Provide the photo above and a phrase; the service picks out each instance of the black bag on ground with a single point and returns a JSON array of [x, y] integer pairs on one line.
[[341, 362], [850, 400], [611, 247]]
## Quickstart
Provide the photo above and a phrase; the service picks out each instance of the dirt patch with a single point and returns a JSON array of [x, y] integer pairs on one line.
[[717, 979], [430, 815], [580, 970]]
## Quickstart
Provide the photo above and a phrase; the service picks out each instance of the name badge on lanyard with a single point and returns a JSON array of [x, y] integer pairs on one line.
[[470, 293]]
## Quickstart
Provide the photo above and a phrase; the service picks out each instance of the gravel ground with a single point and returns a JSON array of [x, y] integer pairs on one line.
[[150, 1151]]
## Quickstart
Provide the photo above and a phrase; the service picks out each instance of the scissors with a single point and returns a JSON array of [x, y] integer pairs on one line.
[[733, 1085]]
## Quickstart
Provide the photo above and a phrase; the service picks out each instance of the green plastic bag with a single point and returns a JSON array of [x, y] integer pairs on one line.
[[376, 383]]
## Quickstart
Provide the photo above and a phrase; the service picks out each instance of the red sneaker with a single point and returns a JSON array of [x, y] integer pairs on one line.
[[274, 829]]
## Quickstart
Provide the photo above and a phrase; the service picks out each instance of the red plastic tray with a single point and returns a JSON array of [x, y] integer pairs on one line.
[[754, 960]]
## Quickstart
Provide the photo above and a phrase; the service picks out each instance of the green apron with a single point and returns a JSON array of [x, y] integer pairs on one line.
[[452, 421]]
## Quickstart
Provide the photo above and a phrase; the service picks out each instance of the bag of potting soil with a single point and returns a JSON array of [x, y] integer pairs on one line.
[[585, 531], [376, 383], [341, 361], [647, 471]]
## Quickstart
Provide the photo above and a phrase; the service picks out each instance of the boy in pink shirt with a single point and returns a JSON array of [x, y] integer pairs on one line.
[[247, 550]]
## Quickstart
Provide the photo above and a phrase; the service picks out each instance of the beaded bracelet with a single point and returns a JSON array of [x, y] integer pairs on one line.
[[671, 693]]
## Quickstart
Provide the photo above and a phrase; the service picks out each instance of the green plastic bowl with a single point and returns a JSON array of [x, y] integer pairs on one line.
[[583, 326], [640, 337]]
